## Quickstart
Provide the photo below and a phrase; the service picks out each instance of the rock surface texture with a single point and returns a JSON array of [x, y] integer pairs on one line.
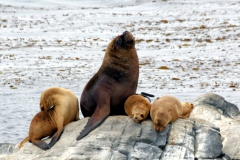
[[225, 115], [211, 132]]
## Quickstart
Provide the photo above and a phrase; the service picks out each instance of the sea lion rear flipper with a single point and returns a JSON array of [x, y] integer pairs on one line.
[[41, 144], [95, 120], [55, 138]]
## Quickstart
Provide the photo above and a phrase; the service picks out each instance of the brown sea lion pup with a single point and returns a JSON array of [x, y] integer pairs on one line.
[[116, 80], [59, 107], [165, 110], [187, 109], [137, 107]]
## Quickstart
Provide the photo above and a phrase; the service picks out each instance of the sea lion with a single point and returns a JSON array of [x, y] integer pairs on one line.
[[59, 107], [187, 108], [137, 107], [114, 82], [165, 110]]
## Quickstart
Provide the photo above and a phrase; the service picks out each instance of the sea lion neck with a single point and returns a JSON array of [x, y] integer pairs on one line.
[[118, 65]]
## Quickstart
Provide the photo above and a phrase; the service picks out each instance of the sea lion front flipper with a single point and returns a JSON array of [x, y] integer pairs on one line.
[[100, 114]]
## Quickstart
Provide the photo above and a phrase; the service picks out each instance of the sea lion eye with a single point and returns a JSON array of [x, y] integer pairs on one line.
[[142, 115]]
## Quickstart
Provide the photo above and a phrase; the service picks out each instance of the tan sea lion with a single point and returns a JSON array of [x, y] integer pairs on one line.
[[59, 107], [187, 109], [137, 107], [165, 110], [116, 80]]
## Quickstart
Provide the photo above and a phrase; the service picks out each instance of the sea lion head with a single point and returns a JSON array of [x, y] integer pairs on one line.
[[139, 113], [188, 105], [160, 122], [47, 101], [46, 105], [187, 108], [122, 42], [137, 107]]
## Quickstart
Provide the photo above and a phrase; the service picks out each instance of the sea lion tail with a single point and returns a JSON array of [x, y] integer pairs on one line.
[[23, 141]]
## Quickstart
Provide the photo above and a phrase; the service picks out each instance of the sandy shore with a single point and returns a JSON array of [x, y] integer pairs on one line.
[[185, 49]]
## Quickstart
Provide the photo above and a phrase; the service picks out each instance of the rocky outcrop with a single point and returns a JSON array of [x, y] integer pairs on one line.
[[225, 115], [205, 135], [119, 137], [214, 101], [193, 138]]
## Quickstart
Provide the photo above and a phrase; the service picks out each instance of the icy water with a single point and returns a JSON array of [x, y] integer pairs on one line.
[[185, 49]]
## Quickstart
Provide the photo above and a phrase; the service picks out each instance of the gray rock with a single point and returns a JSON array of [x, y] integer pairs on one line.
[[231, 136], [193, 138], [120, 138], [6, 148], [224, 115], [182, 133], [208, 142], [218, 102]]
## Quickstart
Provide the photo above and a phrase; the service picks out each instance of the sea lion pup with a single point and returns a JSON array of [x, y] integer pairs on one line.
[[59, 107], [165, 110], [187, 109], [137, 107], [116, 80]]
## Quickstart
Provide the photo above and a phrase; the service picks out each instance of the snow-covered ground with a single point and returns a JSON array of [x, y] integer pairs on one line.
[[186, 48]]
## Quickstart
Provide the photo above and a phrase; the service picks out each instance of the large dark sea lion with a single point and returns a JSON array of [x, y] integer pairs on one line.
[[116, 80]]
